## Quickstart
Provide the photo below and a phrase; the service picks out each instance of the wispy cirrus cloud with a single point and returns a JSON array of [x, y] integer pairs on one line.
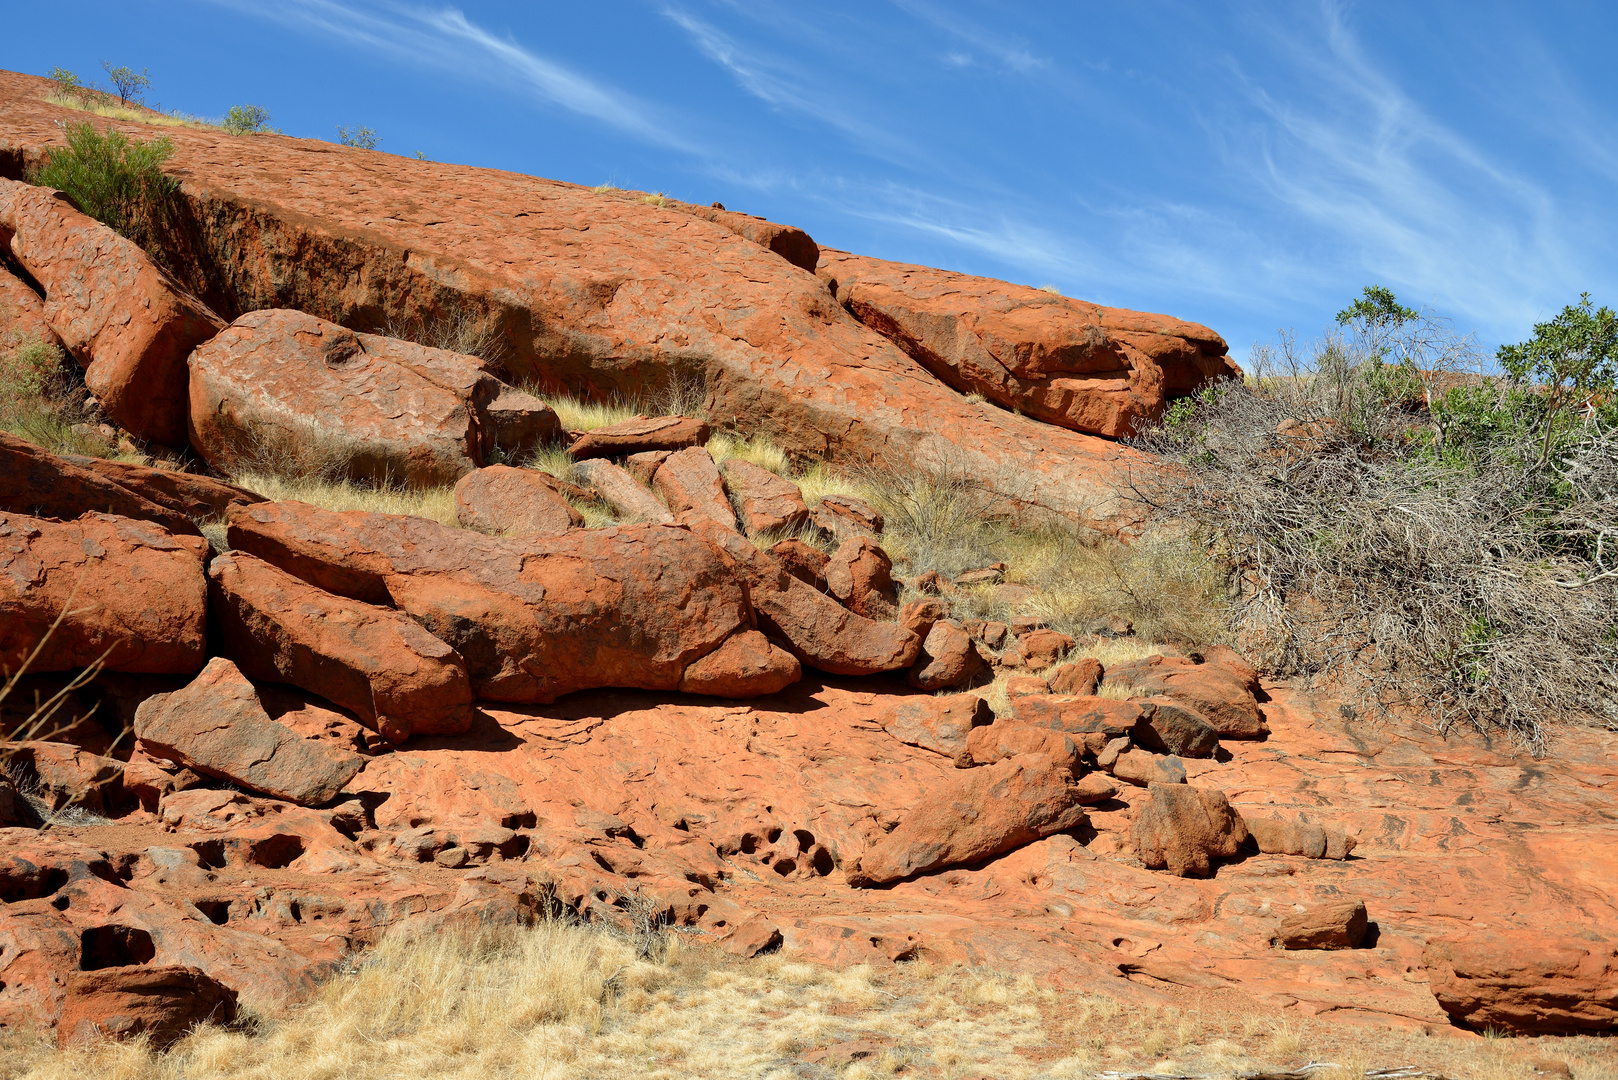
[[443, 37]]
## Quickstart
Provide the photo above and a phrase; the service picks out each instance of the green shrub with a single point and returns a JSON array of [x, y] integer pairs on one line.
[[248, 120], [117, 180], [130, 84], [362, 137]]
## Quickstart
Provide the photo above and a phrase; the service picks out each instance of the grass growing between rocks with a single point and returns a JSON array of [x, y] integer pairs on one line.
[[433, 503], [33, 399], [560, 1002]]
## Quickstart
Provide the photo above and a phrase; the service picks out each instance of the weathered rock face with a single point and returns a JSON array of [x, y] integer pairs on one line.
[[218, 727], [643, 434], [768, 503], [806, 563], [689, 483], [975, 814], [1218, 692], [535, 617], [1080, 678], [941, 724], [1275, 836], [502, 499], [123, 318], [36, 482], [162, 1002], [948, 658], [63, 775], [745, 666], [1169, 729], [133, 592], [589, 292], [1183, 828], [1089, 368], [398, 678], [1339, 925], [860, 574], [200, 498], [1526, 982], [621, 491], [22, 312], [281, 383]]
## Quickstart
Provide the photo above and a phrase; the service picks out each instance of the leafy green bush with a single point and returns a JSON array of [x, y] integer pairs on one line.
[[1443, 540], [117, 180], [248, 120], [131, 85], [362, 137]]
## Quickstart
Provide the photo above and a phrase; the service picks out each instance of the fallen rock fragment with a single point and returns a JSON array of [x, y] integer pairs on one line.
[[1339, 925], [973, 814], [1274, 836], [133, 593], [948, 659], [690, 484], [802, 561], [1080, 678], [524, 502], [282, 386], [940, 724], [918, 616], [745, 666], [860, 575], [1077, 715], [128, 323], [1527, 982], [397, 677], [767, 503], [1169, 729], [36, 482], [1143, 770], [1220, 694], [1037, 650], [996, 742], [218, 727], [160, 1001], [1183, 829], [63, 776], [844, 516], [200, 498], [640, 435], [619, 490], [22, 313]]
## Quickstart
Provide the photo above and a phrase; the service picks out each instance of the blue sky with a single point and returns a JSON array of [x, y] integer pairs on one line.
[[1246, 165]]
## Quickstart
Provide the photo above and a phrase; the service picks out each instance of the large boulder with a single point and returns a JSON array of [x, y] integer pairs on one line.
[[501, 499], [160, 1001], [534, 617], [812, 626], [640, 435], [126, 320], [745, 666], [1341, 924], [381, 665], [200, 498], [36, 482], [128, 593], [940, 723], [1166, 727], [1183, 829], [948, 659], [689, 483], [285, 385], [1085, 367], [768, 504], [974, 814], [1220, 693], [1527, 982], [217, 726], [860, 574]]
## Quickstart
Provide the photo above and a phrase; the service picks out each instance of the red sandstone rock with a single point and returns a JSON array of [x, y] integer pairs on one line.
[[398, 678], [218, 727], [791, 243], [36, 482], [1526, 982], [974, 814], [767, 503], [1142, 769], [1218, 693], [1169, 729], [640, 435], [919, 616], [133, 592], [1076, 715], [745, 666], [1338, 925], [999, 741], [1183, 828], [162, 1002], [1080, 678], [122, 317], [754, 935], [1089, 368], [643, 466], [285, 384], [948, 659], [860, 575], [1275, 836], [1037, 650], [689, 483], [525, 502], [621, 491], [64, 776], [844, 516], [806, 563], [22, 312], [941, 724], [1017, 686], [200, 498], [534, 617]]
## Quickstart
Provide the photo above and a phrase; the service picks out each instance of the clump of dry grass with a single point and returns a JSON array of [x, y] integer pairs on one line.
[[98, 103], [561, 1001], [758, 450], [36, 401], [434, 503]]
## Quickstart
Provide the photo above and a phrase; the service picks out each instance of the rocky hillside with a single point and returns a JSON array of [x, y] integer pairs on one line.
[[283, 730]]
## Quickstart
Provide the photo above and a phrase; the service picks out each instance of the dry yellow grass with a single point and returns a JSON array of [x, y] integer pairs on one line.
[[434, 503], [98, 104], [758, 450], [560, 1002], [579, 415]]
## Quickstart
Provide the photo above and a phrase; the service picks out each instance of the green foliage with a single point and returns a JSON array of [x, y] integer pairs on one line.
[[130, 84], [248, 120], [1571, 359], [1378, 307], [362, 137], [117, 180], [66, 82]]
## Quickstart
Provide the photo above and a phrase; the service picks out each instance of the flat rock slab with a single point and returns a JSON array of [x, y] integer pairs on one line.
[[128, 323], [218, 727], [200, 498], [616, 487], [1338, 925], [768, 504], [134, 595], [524, 502], [690, 484], [641, 435], [285, 386], [36, 482], [937, 723]]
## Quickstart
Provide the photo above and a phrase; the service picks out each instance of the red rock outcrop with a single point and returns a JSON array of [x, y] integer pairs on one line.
[[527, 502], [1527, 983], [1338, 925], [620, 490], [643, 434], [948, 658], [806, 563], [128, 323], [284, 384], [1183, 829], [133, 595], [1216, 691], [860, 575], [200, 498], [745, 666], [159, 1002], [767, 503], [534, 617], [22, 312], [36, 482], [689, 483], [1085, 367], [218, 727], [587, 292], [938, 723]]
